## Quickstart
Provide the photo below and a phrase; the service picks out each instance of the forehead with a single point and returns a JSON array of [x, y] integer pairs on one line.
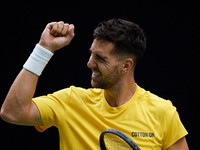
[[102, 47]]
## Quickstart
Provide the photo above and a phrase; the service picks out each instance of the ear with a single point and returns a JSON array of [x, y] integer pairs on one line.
[[127, 65]]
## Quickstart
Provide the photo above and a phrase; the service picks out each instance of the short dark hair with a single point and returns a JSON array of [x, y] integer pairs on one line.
[[128, 37]]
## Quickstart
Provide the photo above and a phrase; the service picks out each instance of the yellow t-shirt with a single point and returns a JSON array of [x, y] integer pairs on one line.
[[82, 114]]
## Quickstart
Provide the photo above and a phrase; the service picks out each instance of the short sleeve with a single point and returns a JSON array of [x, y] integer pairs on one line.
[[174, 129], [52, 107]]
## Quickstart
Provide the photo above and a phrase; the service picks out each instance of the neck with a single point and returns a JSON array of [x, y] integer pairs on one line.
[[121, 93]]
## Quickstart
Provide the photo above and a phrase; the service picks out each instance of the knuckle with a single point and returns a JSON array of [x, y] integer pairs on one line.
[[66, 26], [61, 22]]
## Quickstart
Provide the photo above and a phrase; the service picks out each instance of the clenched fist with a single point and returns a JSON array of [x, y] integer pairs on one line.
[[56, 35]]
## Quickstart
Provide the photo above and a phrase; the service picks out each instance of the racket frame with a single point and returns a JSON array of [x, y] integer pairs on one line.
[[121, 135]]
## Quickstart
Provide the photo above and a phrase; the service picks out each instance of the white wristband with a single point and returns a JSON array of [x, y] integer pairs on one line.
[[38, 60]]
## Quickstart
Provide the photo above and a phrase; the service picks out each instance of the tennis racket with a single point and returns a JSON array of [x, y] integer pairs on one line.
[[112, 139]]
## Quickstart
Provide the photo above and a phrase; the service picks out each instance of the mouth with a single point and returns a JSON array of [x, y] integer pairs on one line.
[[95, 74]]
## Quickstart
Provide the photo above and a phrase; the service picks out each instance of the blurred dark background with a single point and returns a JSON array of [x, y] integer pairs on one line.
[[169, 67]]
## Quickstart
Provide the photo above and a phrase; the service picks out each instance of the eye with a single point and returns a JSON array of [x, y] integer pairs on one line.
[[100, 58]]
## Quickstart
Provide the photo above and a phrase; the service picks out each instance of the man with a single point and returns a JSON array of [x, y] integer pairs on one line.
[[115, 101]]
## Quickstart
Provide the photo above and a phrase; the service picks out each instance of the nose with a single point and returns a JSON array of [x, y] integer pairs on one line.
[[91, 62]]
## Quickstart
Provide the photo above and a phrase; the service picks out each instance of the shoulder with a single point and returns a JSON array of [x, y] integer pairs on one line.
[[79, 93], [151, 98], [79, 90], [92, 92], [154, 103]]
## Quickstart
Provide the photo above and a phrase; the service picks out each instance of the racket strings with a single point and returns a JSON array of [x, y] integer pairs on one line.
[[113, 142]]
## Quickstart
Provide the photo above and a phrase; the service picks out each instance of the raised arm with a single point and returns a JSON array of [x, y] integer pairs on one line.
[[18, 107]]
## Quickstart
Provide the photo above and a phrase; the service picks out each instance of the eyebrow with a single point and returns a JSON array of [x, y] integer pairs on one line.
[[99, 55]]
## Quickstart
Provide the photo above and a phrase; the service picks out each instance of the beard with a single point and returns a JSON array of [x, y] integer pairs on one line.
[[107, 81]]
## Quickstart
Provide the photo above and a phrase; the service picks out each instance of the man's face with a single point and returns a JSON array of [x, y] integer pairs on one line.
[[106, 67]]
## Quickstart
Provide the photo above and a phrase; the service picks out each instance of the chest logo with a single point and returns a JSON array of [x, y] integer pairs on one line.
[[143, 134]]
